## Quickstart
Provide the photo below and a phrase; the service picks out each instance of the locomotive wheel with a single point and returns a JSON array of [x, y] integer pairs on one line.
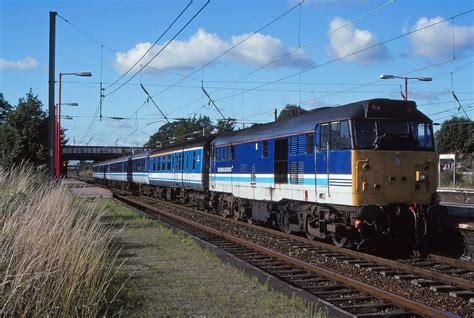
[[310, 237], [285, 222], [236, 216], [339, 241], [311, 219]]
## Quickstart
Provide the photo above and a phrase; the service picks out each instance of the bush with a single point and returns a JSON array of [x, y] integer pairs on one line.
[[56, 258]]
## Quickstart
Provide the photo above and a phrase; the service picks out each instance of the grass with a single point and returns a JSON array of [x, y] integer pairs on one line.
[[59, 258], [169, 274], [56, 257]]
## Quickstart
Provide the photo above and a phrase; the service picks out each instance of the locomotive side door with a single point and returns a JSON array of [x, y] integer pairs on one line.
[[321, 158]]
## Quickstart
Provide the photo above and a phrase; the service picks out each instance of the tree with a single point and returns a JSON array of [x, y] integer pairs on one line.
[[5, 107], [24, 133], [181, 130], [187, 130], [225, 125], [456, 135], [289, 111]]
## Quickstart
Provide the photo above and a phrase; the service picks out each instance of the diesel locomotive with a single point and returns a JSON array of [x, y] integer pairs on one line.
[[354, 174]]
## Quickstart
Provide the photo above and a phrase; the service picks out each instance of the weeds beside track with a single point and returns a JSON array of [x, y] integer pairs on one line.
[[56, 258]]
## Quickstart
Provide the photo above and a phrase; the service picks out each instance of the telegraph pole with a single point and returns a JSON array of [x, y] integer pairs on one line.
[[51, 109]]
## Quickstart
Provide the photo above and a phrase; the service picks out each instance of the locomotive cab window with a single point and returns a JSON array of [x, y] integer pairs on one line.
[[365, 132], [324, 136], [387, 134], [340, 135], [421, 132]]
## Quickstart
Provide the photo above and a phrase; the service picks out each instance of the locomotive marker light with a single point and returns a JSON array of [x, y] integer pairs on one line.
[[420, 78], [57, 130]]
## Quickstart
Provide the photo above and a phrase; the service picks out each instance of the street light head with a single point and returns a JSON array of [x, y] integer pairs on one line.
[[86, 74], [385, 76], [70, 104], [425, 79]]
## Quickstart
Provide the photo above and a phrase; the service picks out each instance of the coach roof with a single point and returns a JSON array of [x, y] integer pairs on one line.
[[387, 108], [195, 143]]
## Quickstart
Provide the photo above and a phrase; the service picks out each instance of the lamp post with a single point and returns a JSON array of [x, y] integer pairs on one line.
[[57, 131], [405, 96]]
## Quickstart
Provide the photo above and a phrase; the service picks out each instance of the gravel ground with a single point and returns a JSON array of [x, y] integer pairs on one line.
[[400, 287]]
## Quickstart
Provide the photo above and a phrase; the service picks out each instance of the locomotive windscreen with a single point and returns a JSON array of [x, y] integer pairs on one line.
[[386, 134]]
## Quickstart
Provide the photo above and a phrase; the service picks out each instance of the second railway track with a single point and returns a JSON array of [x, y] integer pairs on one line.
[[358, 283]]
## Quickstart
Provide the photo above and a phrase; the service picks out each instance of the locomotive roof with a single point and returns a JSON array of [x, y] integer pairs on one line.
[[387, 108]]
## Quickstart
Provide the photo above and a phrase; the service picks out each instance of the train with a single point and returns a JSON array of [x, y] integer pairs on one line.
[[355, 174]]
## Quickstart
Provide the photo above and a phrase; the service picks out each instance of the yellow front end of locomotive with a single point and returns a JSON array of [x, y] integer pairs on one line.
[[393, 177]]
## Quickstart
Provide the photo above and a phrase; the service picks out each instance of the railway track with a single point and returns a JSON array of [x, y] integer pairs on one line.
[[337, 280]]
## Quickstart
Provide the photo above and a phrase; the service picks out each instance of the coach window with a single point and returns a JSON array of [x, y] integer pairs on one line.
[[194, 160], [232, 151], [324, 136], [265, 149], [309, 143]]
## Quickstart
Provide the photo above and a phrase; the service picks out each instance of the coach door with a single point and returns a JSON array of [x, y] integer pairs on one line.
[[212, 170], [321, 177], [280, 164], [175, 164]]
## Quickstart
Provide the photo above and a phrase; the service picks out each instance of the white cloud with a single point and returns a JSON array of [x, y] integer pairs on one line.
[[202, 47], [348, 40], [27, 63], [262, 49], [437, 41]]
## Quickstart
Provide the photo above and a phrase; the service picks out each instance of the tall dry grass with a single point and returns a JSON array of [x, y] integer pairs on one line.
[[55, 256]]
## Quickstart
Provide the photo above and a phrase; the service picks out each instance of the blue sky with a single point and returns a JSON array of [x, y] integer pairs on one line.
[[321, 67]]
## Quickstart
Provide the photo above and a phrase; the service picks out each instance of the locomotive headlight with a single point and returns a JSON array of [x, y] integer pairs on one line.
[[420, 176]]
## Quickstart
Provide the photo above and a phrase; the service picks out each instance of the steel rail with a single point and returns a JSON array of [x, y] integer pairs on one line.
[[426, 273], [452, 261], [374, 291]]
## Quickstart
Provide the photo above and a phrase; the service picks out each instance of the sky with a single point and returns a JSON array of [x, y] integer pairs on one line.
[[251, 57]]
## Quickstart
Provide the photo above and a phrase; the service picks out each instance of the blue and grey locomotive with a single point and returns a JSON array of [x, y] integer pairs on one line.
[[352, 174]]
